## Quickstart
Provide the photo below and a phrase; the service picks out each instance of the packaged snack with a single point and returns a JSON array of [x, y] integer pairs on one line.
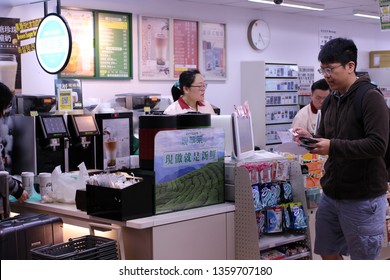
[[274, 219], [256, 198], [260, 221], [287, 195], [264, 170], [298, 216], [267, 199], [282, 170], [276, 193], [271, 254]]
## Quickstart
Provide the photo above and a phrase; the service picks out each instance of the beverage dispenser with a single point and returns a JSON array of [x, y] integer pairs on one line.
[[39, 136], [52, 137], [83, 130]]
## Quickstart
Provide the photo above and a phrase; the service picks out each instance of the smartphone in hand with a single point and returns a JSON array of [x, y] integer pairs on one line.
[[307, 142]]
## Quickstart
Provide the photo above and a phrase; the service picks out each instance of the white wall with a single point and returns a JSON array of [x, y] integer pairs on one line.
[[293, 39]]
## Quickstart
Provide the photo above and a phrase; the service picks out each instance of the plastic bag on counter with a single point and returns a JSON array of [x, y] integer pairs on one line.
[[118, 180], [66, 184]]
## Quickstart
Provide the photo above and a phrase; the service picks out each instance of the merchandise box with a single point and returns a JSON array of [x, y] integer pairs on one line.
[[135, 201]]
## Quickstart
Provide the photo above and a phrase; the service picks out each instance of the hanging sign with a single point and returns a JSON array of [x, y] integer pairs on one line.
[[53, 43]]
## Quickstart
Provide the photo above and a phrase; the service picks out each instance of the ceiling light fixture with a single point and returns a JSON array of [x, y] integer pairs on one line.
[[293, 4], [365, 14]]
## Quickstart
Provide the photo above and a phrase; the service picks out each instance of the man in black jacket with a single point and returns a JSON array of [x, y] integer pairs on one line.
[[351, 216]]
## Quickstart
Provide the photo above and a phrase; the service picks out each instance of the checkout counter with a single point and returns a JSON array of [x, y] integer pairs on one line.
[[197, 234]]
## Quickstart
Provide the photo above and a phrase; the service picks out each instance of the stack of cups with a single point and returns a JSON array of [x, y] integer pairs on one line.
[[45, 187], [28, 182]]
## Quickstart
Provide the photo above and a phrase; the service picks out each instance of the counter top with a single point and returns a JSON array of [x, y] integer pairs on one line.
[[70, 212]]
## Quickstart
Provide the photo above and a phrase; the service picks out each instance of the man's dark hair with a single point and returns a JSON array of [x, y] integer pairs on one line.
[[340, 50], [320, 84], [5, 97]]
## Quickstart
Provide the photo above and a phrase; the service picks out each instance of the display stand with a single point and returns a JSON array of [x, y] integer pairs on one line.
[[248, 246], [272, 88]]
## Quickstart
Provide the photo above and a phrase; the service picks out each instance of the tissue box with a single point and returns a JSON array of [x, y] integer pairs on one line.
[[313, 197], [135, 201]]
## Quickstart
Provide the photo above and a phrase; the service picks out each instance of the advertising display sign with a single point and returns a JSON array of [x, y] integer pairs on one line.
[[53, 43], [189, 168]]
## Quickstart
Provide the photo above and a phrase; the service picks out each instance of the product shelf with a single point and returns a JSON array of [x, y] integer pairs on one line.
[[248, 243], [274, 240], [298, 256]]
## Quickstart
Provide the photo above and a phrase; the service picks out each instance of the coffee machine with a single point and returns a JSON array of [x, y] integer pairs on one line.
[[52, 138], [40, 137], [83, 130]]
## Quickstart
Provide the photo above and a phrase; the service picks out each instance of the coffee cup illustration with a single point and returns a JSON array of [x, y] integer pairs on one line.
[[161, 46], [111, 146]]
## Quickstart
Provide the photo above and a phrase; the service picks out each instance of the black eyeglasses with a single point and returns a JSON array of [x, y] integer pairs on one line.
[[328, 70], [201, 87]]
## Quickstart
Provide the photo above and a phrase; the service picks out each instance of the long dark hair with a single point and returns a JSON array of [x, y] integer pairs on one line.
[[185, 80], [5, 98]]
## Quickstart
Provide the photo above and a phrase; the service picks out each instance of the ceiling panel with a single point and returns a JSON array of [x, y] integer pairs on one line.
[[334, 9]]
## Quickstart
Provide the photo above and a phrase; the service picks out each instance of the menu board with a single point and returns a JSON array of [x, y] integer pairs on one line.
[[82, 59], [101, 45], [185, 42], [114, 45]]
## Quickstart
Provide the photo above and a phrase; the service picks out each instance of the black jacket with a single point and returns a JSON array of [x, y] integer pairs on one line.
[[355, 168]]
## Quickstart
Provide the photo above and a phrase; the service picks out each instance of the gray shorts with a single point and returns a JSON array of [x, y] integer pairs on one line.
[[350, 227]]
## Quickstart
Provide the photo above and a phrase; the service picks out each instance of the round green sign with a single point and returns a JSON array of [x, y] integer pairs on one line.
[[53, 43]]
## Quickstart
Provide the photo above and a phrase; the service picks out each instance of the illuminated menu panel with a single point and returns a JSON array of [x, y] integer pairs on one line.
[[114, 45], [185, 46], [102, 44]]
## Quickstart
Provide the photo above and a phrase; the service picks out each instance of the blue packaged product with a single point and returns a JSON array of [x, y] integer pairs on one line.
[[276, 193], [256, 198], [286, 216], [260, 220], [266, 195], [287, 195], [298, 216], [274, 219]]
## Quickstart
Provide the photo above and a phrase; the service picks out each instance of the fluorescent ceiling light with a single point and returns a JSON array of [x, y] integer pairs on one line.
[[293, 4], [365, 14]]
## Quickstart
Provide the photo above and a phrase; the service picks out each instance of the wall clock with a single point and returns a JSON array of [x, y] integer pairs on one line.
[[259, 34]]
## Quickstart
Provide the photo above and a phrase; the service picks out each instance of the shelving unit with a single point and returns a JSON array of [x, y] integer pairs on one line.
[[248, 245], [271, 89]]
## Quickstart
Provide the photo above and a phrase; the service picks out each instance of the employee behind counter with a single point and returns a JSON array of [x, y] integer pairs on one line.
[[191, 88], [14, 186]]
